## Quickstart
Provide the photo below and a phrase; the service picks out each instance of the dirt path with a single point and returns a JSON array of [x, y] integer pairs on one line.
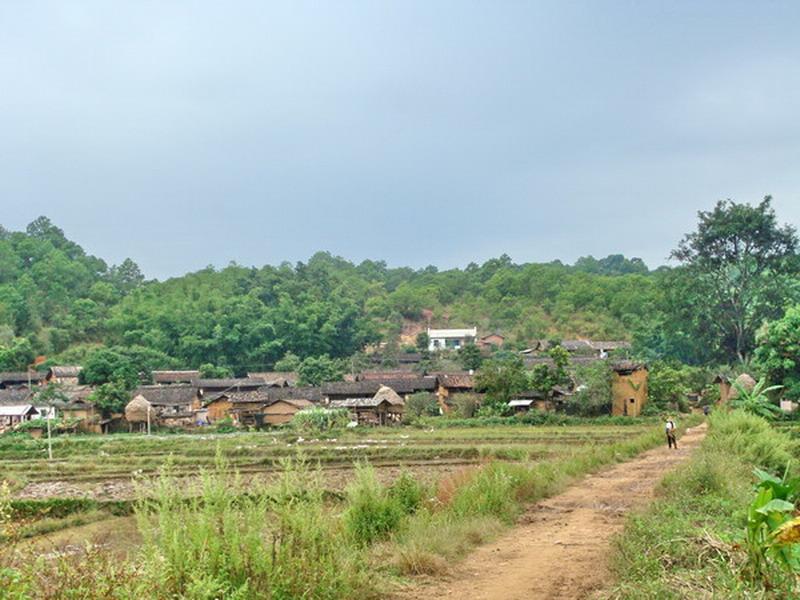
[[560, 547]]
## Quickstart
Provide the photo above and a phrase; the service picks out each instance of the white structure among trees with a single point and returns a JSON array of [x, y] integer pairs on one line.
[[450, 339]]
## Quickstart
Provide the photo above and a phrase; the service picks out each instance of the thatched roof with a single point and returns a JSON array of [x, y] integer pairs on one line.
[[136, 410], [745, 381], [387, 394], [65, 371], [383, 395]]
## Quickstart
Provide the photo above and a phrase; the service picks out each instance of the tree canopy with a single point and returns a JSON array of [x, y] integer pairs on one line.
[[737, 270]]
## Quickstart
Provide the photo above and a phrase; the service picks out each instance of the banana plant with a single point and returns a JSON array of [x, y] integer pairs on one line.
[[756, 401], [773, 531]]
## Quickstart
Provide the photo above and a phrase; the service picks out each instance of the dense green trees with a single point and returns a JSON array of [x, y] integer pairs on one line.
[[778, 355], [737, 269], [740, 269]]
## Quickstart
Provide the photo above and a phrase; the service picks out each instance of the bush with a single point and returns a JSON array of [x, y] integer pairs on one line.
[[319, 420], [422, 404], [225, 425], [464, 406], [371, 513], [407, 492], [491, 493]]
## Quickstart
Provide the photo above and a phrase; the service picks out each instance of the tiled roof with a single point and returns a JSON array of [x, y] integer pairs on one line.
[[175, 376], [166, 395]]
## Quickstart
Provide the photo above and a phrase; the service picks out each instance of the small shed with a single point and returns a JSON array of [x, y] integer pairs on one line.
[[138, 412], [384, 408], [628, 388]]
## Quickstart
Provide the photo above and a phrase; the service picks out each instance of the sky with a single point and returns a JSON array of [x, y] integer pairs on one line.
[[183, 134]]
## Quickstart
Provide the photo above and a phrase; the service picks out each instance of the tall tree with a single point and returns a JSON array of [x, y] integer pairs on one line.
[[738, 265]]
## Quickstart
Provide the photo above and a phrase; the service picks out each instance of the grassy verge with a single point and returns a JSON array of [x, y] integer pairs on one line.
[[688, 544], [224, 538]]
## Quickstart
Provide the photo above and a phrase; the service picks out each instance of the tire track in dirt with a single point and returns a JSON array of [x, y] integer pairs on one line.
[[561, 546]]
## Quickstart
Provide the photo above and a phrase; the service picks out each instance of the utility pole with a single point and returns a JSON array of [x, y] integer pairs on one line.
[[47, 417]]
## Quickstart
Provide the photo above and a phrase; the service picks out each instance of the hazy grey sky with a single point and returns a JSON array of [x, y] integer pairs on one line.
[[183, 134]]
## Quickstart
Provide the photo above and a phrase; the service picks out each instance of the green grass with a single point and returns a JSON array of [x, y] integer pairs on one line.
[[687, 543], [215, 536], [86, 459]]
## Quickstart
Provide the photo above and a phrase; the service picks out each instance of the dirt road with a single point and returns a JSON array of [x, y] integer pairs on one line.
[[560, 547]]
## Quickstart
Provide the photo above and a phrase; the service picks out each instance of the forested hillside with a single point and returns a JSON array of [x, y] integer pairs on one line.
[[738, 271], [55, 299]]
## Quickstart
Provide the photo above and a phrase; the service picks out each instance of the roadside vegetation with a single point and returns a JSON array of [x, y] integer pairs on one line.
[[715, 531], [224, 536]]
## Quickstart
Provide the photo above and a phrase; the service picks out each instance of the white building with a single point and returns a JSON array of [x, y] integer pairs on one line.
[[450, 339]]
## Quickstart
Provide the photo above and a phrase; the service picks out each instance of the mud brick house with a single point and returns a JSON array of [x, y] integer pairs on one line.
[[173, 404], [258, 407], [493, 340], [449, 385], [628, 388], [282, 411], [64, 375]]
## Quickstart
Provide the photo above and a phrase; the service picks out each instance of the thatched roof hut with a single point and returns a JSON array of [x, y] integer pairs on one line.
[[137, 409], [745, 381], [387, 394]]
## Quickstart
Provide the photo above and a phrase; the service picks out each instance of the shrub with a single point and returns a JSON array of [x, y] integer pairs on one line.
[[319, 420], [407, 492], [464, 406], [225, 425], [492, 492], [371, 513], [422, 403]]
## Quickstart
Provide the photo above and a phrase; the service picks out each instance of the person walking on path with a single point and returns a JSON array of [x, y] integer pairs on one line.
[[672, 441]]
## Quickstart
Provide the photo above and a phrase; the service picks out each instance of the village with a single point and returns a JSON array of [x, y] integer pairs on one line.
[[183, 400]]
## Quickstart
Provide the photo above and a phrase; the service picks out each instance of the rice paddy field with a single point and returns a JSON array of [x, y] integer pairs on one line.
[[404, 500], [104, 467]]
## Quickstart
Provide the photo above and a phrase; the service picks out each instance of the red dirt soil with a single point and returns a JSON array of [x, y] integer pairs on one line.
[[560, 548]]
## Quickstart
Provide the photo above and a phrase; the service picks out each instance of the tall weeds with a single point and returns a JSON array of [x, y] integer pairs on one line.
[[691, 542]]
